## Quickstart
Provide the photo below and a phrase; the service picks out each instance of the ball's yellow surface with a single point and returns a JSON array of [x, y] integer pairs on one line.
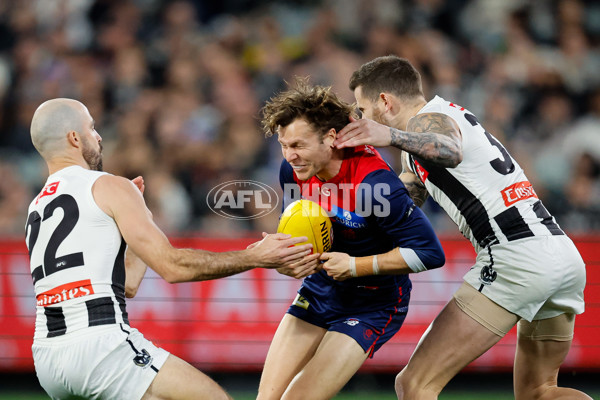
[[307, 218]]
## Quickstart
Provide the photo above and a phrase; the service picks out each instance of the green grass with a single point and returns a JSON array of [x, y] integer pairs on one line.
[[343, 396]]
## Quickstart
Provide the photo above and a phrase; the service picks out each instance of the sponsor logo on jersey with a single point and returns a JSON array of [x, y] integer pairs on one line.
[[352, 321], [517, 192], [350, 223], [422, 172], [48, 190], [65, 292], [301, 302]]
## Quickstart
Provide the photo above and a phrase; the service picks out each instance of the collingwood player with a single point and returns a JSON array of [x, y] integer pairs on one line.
[[78, 230], [527, 271]]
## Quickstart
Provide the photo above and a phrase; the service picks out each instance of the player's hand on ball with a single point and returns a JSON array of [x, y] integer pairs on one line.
[[337, 265], [307, 266], [278, 250]]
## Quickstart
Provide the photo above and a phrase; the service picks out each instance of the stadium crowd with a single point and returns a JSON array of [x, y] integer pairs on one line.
[[176, 88]]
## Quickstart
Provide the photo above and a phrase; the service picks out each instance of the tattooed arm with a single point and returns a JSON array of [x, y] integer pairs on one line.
[[433, 137], [415, 187]]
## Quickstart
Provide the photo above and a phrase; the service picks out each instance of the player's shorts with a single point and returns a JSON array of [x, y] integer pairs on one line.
[[337, 311], [102, 362], [535, 278]]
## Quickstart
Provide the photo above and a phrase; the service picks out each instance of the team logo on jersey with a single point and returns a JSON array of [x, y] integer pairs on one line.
[[517, 192], [301, 302], [352, 321], [368, 334], [48, 190], [142, 359], [64, 292], [488, 275]]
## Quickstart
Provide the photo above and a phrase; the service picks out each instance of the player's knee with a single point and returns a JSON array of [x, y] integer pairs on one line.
[[410, 387], [405, 387]]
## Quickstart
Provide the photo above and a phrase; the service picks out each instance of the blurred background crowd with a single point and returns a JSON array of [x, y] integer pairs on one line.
[[176, 88]]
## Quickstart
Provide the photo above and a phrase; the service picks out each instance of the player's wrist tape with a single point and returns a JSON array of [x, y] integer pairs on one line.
[[375, 265], [353, 267]]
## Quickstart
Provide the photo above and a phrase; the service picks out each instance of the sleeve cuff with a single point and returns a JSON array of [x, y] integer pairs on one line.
[[412, 260]]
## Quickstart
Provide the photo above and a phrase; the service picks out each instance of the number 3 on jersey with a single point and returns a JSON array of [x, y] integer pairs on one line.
[[502, 165], [52, 263]]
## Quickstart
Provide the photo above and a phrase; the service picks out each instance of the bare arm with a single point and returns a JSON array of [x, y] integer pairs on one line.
[[135, 269], [416, 190], [338, 266], [120, 199], [433, 137]]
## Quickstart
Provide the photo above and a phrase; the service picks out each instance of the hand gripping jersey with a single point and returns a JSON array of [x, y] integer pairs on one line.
[[77, 256], [487, 195], [372, 214]]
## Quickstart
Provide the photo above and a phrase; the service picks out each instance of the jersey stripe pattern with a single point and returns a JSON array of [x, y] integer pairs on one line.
[[487, 195], [77, 257]]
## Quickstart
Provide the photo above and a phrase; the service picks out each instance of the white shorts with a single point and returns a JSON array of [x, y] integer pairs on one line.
[[536, 278], [102, 362]]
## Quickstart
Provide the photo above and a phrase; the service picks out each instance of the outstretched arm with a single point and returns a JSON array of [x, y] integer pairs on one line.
[[121, 200], [433, 137]]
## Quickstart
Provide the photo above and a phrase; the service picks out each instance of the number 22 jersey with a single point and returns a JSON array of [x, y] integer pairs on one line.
[[76, 255]]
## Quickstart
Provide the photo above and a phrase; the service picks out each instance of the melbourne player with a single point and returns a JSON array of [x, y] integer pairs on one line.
[[527, 270], [346, 311], [77, 234]]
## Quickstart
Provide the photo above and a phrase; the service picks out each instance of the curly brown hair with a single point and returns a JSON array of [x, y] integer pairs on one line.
[[317, 105]]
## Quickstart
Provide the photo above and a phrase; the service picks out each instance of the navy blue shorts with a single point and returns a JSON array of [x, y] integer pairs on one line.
[[366, 315]]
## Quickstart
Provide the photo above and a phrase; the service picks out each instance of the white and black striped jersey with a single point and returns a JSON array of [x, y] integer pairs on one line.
[[76, 256], [487, 195]]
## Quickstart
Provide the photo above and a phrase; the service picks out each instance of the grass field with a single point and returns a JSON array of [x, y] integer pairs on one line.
[[343, 396], [361, 386]]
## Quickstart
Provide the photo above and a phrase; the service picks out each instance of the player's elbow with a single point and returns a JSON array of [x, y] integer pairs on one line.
[[174, 274], [433, 258], [437, 259], [172, 278], [174, 267], [130, 291], [455, 158]]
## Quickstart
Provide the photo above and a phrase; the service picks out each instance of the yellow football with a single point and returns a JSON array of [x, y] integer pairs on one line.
[[307, 218]]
